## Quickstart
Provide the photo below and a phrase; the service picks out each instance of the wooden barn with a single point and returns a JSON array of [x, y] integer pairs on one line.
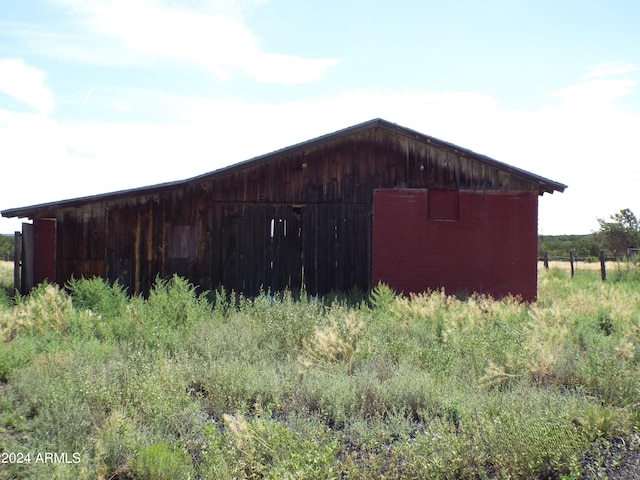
[[373, 202]]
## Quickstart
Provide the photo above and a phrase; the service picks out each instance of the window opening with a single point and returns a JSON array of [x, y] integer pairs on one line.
[[443, 205]]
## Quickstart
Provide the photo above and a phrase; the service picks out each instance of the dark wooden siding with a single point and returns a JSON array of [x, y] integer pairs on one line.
[[349, 170]]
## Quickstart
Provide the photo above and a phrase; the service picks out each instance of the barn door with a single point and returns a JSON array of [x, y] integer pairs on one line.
[[38, 256], [44, 254], [259, 247], [284, 251]]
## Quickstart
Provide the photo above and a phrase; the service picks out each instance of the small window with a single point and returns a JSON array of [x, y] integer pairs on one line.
[[276, 225], [443, 205]]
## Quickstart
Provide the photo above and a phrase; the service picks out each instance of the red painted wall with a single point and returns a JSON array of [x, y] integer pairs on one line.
[[486, 243], [44, 250]]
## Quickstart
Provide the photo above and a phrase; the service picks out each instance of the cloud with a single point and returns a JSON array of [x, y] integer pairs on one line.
[[611, 68], [597, 90], [219, 42], [26, 84], [285, 69], [589, 145]]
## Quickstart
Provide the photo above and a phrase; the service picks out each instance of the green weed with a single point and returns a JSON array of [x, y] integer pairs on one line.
[[160, 461], [97, 295]]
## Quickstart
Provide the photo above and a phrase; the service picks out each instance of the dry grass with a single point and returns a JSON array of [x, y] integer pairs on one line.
[[336, 343], [591, 266], [6, 274]]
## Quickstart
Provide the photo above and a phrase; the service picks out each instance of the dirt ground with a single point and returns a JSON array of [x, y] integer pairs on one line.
[[617, 459]]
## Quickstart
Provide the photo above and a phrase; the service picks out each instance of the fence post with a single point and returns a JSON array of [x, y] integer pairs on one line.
[[603, 268], [546, 260], [571, 260]]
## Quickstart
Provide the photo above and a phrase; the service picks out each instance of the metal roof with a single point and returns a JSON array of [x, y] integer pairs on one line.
[[545, 185]]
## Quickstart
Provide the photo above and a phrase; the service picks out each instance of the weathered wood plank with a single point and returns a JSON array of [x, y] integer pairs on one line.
[[27, 258], [17, 260]]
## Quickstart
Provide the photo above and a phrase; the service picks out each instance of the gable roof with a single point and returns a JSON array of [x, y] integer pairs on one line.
[[545, 185]]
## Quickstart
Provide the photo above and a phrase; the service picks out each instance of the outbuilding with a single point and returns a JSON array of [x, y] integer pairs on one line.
[[375, 202]]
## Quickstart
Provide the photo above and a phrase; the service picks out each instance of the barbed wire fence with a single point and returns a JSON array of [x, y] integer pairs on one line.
[[574, 262]]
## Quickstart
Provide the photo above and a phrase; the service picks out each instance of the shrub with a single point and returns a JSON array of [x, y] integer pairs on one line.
[[44, 311], [340, 342], [115, 444], [162, 321], [5, 301], [524, 445], [14, 355], [284, 322], [230, 384], [175, 303], [160, 461], [97, 295], [6, 281], [381, 298], [626, 272], [268, 448]]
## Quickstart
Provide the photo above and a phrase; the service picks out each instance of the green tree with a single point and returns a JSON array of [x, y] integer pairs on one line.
[[6, 247], [621, 233], [558, 246]]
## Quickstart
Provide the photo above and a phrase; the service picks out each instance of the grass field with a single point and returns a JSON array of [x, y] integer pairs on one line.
[[610, 266], [6, 274], [187, 386]]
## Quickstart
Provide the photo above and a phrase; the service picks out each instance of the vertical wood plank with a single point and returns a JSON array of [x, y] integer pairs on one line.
[[17, 260], [27, 258]]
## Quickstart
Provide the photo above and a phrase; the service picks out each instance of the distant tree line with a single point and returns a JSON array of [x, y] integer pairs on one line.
[[586, 247], [6, 247], [618, 237]]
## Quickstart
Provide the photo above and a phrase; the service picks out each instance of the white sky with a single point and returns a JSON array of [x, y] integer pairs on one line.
[[99, 95]]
